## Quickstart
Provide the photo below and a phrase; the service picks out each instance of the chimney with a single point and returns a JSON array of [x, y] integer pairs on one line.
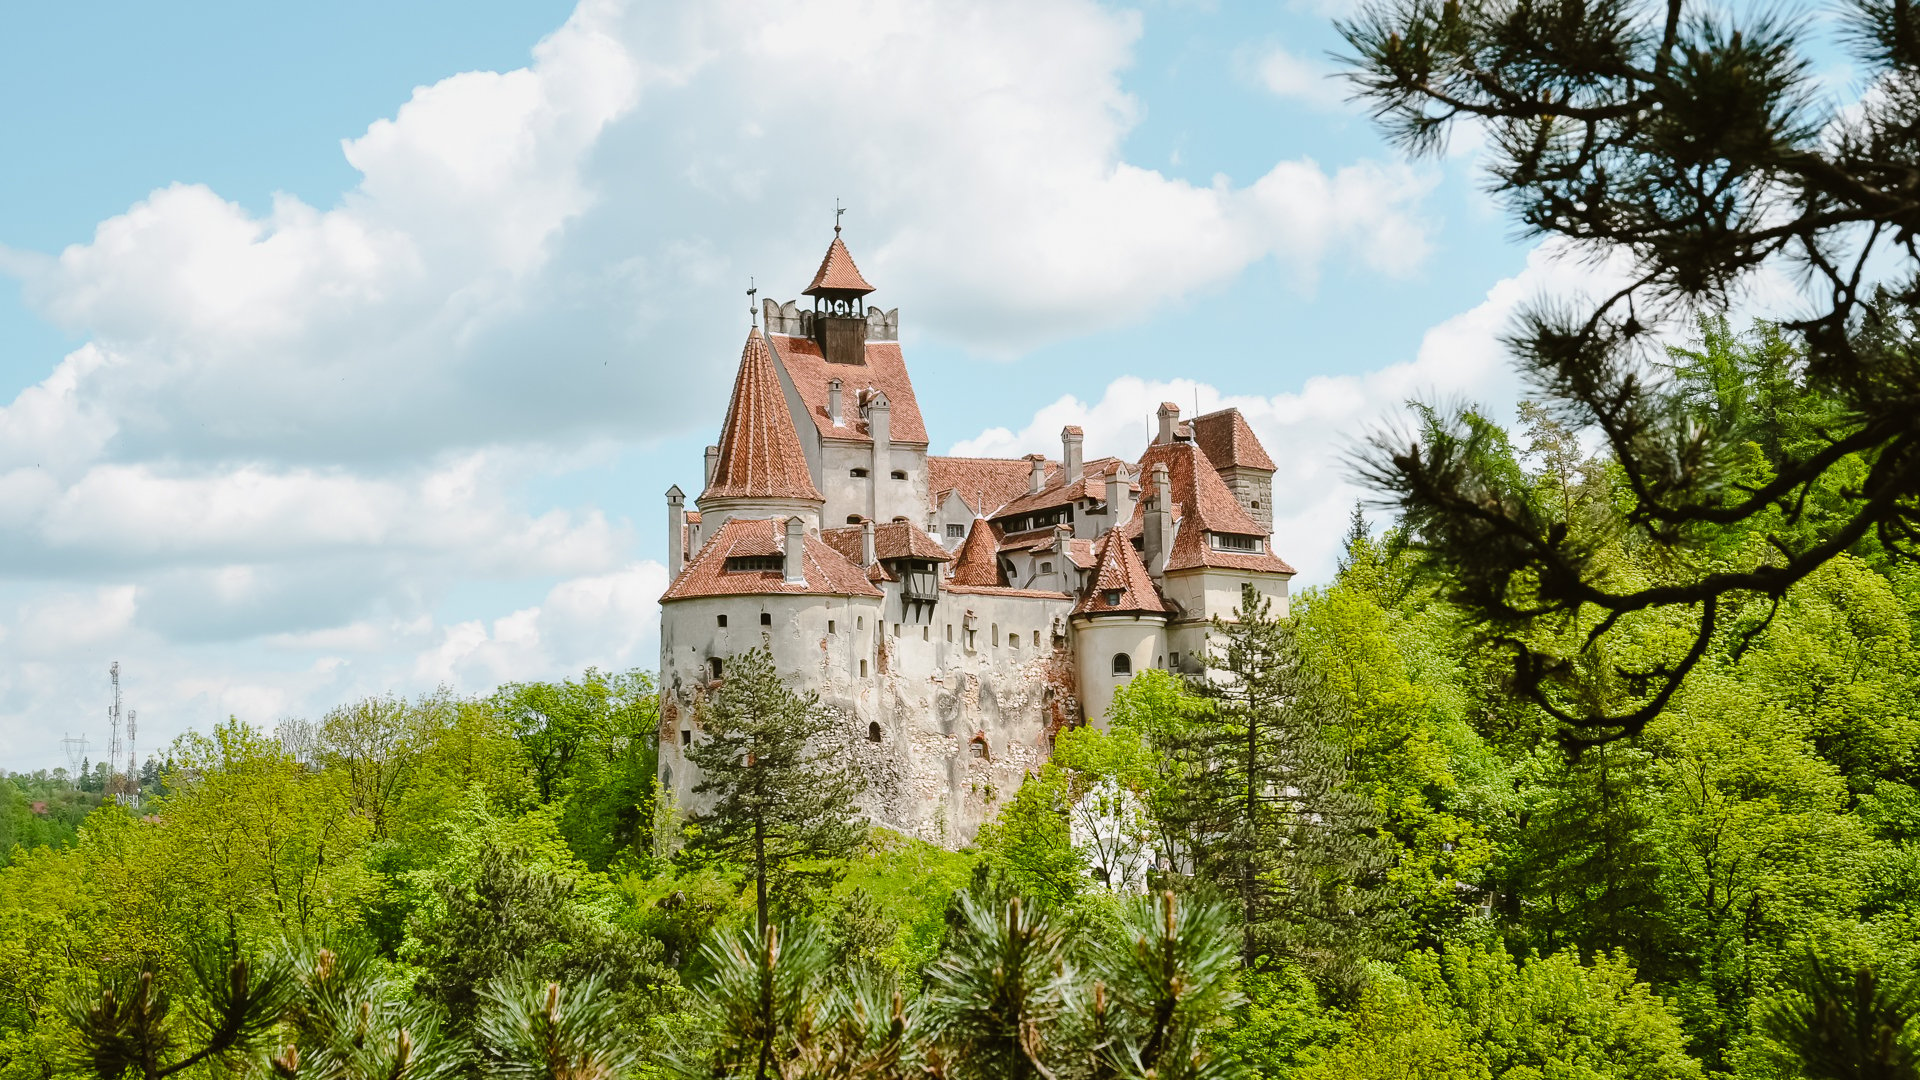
[[880, 426], [1169, 419], [796, 547], [867, 557], [1062, 537], [1070, 442], [1157, 537], [833, 402], [1037, 474], [713, 463], [676, 529], [1119, 497]]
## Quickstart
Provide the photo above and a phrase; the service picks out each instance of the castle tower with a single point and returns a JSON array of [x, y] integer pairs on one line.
[[759, 470], [1120, 625]]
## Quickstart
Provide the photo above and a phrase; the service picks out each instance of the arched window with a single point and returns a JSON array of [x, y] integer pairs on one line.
[[899, 474], [1122, 664], [854, 519], [873, 732]]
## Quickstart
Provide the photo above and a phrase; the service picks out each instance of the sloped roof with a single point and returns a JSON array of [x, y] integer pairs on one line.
[[1203, 504], [978, 560], [1229, 442], [1118, 569], [984, 484], [760, 456], [1060, 491], [837, 274], [891, 540], [885, 370], [828, 573]]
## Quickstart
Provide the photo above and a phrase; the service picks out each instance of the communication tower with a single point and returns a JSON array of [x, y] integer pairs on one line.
[[76, 754]]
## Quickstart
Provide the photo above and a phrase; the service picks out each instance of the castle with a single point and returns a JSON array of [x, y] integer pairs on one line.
[[957, 612]]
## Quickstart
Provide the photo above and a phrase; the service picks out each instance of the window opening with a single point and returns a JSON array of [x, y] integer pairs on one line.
[[899, 474], [1113, 597], [1122, 664], [956, 532], [766, 618], [857, 472], [996, 635], [713, 667], [829, 626], [686, 737], [1036, 639], [722, 619], [1046, 568], [859, 622], [873, 732], [863, 669]]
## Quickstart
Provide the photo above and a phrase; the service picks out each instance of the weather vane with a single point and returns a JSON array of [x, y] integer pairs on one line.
[[837, 211], [753, 312]]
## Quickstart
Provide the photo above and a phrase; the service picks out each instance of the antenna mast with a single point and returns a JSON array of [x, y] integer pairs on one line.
[[113, 726], [76, 754], [133, 758]]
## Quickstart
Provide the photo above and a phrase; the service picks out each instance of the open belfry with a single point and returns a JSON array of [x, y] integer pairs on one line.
[[956, 612]]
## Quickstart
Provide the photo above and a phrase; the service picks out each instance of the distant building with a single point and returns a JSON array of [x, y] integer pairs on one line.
[[957, 612]]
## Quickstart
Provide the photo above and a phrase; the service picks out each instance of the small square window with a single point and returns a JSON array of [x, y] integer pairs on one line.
[[899, 474], [926, 633], [896, 629], [1113, 597], [859, 622], [956, 532], [1046, 568], [949, 632], [829, 626], [1036, 639], [1176, 660], [863, 669], [722, 619], [856, 472], [686, 737], [766, 618]]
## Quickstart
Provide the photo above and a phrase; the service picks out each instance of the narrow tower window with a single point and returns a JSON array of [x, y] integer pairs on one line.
[[766, 618], [722, 619], [873, 732]]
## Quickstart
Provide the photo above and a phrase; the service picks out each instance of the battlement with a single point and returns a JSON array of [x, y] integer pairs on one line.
[[790, 318]]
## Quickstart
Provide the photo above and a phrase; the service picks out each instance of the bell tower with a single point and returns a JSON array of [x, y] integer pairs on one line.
[[839, 304]]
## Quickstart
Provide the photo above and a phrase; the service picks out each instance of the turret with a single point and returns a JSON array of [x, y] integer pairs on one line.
[[1169, 421], [794, 552], [676, 529], [839, 306]]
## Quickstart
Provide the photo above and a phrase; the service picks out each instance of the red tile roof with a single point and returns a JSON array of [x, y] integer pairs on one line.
[[891, 540], [1001, 590], [828, 573], [760, 456], [1228, 441], [1202, 504], [978, 560], [837, 274], [1059, 492], [1119, 570], [984, 484], [885, 370]]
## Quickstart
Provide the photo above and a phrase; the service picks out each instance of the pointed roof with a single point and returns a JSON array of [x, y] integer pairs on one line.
[[1229, 442], [1120, 577], [729, 564], [838, 276], [1202, 504], [978, 560], [760, 456]]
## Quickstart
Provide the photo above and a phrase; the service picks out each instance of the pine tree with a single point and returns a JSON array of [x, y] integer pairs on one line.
[[1691, 146], [1263, 811], [783, 791], [1359, 532]]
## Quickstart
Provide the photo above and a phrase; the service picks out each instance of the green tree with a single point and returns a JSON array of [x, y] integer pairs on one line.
[[1690, 145], [782, 791], [1262, 807]]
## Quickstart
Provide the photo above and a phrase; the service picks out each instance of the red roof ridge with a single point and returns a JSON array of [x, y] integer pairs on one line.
[[760, 455], [827, 572], [1228, 441]]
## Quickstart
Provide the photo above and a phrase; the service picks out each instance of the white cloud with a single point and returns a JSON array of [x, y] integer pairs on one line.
[[1300, 79], [1313, 431]]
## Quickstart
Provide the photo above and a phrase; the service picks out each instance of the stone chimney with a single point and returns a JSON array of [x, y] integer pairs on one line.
[[1036, 473], [1157, 536], [1169, 420], [1119, 497], [867, 557], [676, 529], [1071, 439], [880, 426], [833, 403], [713, 463], [795, 551], [1062, 538]]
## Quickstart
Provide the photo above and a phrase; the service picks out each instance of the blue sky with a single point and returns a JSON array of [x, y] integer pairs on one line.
[[349, 350]]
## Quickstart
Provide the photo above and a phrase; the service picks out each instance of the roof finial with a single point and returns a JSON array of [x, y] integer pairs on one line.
[[753, 310], [837, 211]]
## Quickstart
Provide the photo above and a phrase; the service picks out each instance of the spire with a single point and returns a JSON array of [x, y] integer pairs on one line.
[[760, 456], [838, 278], [1120, 584], [978, 560]]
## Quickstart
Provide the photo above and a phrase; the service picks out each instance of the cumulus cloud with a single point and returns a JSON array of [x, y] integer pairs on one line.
[[1301, 79], [291, 434], [1312, 432]]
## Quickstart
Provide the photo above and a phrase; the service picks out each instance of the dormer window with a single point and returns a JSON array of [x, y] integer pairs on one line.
[[753, 564], [1230, 542], [1112, 597]]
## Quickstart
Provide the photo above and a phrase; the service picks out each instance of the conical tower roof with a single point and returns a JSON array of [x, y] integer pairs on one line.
[[760, 455], [977, 563], [1120, 584], [838, 276]]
